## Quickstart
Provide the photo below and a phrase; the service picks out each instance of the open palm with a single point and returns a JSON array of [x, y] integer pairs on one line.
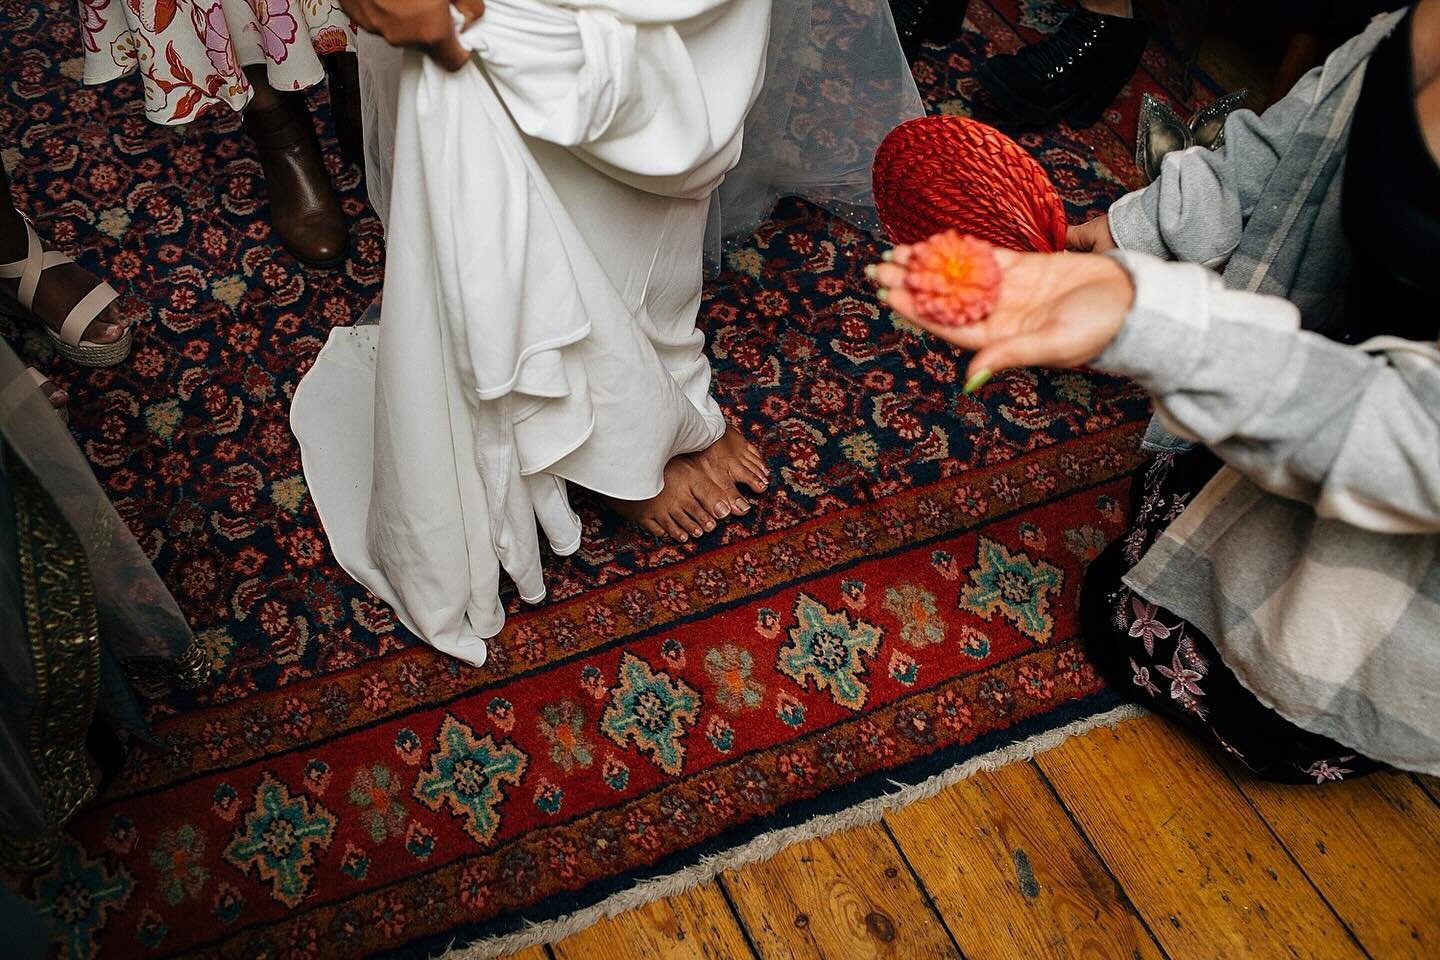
[[1054, 309]]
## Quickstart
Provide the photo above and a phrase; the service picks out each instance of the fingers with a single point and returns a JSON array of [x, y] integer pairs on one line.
[[887, 274], [1040, 349], [900, 300], [448, 52], [471, 10], [1092, 236]]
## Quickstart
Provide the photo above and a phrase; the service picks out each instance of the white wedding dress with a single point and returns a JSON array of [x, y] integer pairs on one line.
[[546, 211]]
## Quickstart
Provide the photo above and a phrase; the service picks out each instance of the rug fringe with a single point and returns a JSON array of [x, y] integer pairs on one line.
[[767, 845]]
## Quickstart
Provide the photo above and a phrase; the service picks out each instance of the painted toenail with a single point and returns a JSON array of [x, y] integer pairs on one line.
[[722, 509]]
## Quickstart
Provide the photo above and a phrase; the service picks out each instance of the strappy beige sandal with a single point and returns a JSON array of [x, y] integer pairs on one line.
[[70, 341]]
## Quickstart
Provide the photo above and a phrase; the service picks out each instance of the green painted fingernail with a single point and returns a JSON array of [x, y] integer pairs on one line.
[[882, 295], [871, 271], [888, 255], [979, 380]]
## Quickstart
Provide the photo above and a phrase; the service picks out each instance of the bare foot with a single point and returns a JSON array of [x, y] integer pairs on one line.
[[687, 508], [54, 393], [733, 462]]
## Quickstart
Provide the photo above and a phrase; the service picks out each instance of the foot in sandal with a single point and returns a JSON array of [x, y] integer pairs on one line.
[[75, 308], [52, 391]]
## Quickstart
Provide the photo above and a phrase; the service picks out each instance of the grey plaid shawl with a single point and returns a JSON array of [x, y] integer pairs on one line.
[[1310, 560]]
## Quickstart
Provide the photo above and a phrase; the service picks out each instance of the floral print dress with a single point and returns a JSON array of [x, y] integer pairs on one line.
[[190, 54], [1172, 668]]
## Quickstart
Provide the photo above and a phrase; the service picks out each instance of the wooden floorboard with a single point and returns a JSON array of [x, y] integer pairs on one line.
[[1130, 842], [1201, 867], [1012, 876], [695, 925], [1372, 849], [849, 895], [1431, 786]]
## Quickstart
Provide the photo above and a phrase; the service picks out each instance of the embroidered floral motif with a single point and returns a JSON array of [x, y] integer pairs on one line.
[[178, 859], [1142, 679], [548, 797], [720, 734], [1324, 770], [419, 841], [78, 895], [920, 622], [903, 668], [1187, 668], [468, 775], [280, 838], [563, 726], [353, 863], [974, 643], [228, 904], [828, 648], [730, 668], [151, 929], [790, 710], [1085, 542], [654, 710], [615, 774], [1145, 626], [376, 791], [1015, 587]]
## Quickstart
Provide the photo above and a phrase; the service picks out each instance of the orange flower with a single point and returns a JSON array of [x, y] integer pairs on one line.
[[954, 278]]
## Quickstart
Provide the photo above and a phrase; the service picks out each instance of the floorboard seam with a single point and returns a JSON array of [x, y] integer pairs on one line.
[[1104, 865]]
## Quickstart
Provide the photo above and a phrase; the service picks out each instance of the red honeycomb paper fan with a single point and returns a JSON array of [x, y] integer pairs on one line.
[[942, 173]]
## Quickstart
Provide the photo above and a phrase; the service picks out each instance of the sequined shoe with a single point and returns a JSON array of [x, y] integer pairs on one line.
[[1071, 75]]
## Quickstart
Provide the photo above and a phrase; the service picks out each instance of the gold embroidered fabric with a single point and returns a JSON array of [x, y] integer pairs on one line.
[[63, 633]]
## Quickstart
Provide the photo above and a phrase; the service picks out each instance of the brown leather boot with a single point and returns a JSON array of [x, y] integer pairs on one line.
[[303, 207]]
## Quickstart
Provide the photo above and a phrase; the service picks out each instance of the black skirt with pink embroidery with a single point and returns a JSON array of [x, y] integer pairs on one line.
[[1170, 667]]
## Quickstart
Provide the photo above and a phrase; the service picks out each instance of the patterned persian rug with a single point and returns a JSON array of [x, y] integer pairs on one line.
[[898, 612]]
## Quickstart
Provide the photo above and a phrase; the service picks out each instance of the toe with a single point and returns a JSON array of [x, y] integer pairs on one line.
[[675, 531], [652, 527], [103, 331], [753, 478], [740, 505], [712, 498], [681, 525], [697, 518], [699, 513]]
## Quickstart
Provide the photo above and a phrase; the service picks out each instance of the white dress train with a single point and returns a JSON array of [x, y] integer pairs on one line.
[[546, 213]]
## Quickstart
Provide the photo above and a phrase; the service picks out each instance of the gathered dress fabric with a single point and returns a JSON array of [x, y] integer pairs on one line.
[[190, 57], [546, 214]]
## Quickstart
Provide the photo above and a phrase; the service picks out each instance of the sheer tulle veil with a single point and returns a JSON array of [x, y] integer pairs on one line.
[[84, 622], [836, 82]]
